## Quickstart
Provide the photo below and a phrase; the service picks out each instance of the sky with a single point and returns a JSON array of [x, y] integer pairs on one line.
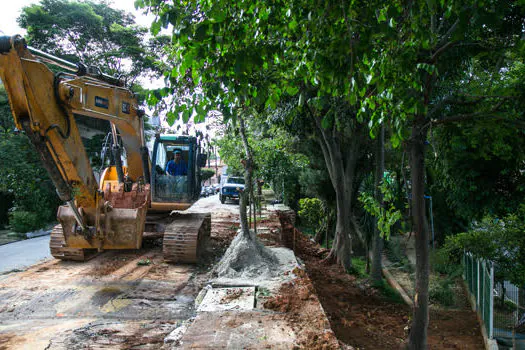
[[11, 10]]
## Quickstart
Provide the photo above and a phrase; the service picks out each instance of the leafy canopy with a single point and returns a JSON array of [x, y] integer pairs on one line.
[[91, 32]]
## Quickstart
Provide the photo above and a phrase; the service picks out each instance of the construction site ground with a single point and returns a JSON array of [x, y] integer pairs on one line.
[[133, 300]]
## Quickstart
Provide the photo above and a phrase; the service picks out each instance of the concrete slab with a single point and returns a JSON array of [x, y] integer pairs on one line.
[[239, 330], [228, 299]]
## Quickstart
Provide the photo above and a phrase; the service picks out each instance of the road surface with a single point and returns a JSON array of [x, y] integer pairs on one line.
[[21, 254]]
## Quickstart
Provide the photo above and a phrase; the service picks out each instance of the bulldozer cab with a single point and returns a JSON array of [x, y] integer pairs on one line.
[[175, 175]]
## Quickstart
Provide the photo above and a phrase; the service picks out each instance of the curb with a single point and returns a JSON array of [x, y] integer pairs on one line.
[[38, 233], [393, 283]]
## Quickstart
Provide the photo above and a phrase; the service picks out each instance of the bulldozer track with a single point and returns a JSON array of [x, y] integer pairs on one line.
[[184, 237], [59, 250]]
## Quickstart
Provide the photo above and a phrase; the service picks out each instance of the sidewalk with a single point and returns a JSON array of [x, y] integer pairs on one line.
[[282, 312]]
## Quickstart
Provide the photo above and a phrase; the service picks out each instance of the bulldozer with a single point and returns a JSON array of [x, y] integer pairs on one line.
[[132, 198]]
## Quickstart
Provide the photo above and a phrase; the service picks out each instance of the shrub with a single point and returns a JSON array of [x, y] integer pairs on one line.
[[441, 293], [24, 221], [441, 262], [311, 213]]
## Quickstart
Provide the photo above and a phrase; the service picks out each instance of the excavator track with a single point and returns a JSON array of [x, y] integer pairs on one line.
[[59, 250], [185, 236]]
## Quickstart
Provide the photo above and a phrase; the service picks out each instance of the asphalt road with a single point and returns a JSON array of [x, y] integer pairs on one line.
[[21, 254]]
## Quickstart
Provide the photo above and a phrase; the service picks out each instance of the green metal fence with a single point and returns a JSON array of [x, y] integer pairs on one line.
[[479, 275], [500, 304]]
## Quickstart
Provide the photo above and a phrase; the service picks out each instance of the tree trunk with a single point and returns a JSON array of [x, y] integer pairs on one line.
[[377, 240], [318, 238], [248, 167], [341, 147], [418, 330], [341, 251]]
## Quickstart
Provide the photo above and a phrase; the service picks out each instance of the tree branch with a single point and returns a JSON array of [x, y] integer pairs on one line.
[[468, 116], [441, 50], [322, 142], [449, 32]]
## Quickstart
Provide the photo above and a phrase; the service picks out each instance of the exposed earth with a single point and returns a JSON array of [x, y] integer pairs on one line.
[[133, 300]]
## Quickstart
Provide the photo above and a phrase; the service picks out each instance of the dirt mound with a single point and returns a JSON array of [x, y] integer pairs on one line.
[[297, 300], [247, 258]]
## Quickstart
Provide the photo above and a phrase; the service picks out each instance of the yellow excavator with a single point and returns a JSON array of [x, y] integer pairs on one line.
[[133, 198]]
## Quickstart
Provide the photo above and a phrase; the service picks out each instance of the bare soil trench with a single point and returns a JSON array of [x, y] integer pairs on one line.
[[362, 318]]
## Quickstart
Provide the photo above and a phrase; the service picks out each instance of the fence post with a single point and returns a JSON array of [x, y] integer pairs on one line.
[[477, 289], [491, 304], [482, 292]]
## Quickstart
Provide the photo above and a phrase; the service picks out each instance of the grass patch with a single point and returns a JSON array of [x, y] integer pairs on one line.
[[388, 292], [358, 267], [9, 236]]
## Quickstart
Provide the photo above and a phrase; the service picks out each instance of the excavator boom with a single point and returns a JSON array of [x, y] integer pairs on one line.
[[45, 105]]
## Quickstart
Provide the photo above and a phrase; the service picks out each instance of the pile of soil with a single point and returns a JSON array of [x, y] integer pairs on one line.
[[363, 318]]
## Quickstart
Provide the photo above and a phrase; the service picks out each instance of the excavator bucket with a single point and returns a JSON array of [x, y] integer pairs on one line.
[[119, 225]]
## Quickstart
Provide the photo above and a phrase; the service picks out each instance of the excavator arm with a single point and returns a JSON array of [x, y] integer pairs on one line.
[[44, 105]]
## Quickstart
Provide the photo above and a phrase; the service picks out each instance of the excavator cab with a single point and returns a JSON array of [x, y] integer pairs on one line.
[[175, 175]]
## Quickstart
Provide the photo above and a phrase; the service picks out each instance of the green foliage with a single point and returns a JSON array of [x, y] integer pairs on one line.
[[441, 262], [499, 240], [22, 175], [440, 291], [144, 262], [91, 32], [388, 292], [312, 212], [359, 267], [479, 168], [272, 148], [24, 221], [387, 215], [23, 182], [6, 120], [207, 174], [448, 271]]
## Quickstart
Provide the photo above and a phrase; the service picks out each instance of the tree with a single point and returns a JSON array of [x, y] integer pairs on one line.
[[207, 174], [275, 160], [499, 240], [422, 74], [92, 33]]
